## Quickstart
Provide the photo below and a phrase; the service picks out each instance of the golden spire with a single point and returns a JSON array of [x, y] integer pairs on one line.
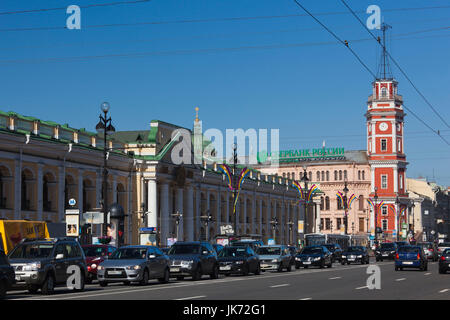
[[196, 114]]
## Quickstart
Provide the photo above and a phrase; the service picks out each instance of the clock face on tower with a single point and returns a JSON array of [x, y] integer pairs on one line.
[[383, 126]]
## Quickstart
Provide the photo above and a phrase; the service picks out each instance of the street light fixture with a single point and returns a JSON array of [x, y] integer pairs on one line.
[[345, 207], [274, 223], [206, 219], [291, 225], [178, 217], [375, 197], [397, 203], [305, 180], [106, 128], [235, 182]]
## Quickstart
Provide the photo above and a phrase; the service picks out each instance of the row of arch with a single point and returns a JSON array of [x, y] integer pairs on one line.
[[339, 175]]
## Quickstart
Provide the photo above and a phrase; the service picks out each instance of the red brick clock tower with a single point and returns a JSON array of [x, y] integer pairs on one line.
[[385, 149]]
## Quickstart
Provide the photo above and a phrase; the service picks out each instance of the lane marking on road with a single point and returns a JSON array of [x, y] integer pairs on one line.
[[361, 288], [427, 274], [190, 298], [115, 291], [334, 278], [280, 285], [305, 299], [445, 290], [401, 279]]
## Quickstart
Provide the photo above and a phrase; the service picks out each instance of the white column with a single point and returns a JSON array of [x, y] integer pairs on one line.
[[165, 216], [372, 184], [17, 189], [317, 221], [61, 195], [130, 192], [395, 179], [260, 212], [190, 214], [39, 191], [244, 211], [152, 215], [179, 206]]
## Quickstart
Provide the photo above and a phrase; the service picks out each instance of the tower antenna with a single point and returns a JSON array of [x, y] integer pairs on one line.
[[384, 71]]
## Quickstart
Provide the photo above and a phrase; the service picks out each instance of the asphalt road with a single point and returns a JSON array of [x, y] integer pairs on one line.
[[337, 283]]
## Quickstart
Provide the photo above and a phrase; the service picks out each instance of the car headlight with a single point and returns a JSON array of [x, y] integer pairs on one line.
[[392, 251], [317, 259], [187, 263], [343, 257], [360, 256], [239, 262], [93, 266], [275, 260], [376, 251], [35, 266], [137, 267], [297, 259]]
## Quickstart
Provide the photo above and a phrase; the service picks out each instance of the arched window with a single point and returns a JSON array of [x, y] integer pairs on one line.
[[328, 175], [45, 201], [361, 202], [345, 174], [335, 175], [359, 174], [384, 92], [340, 174], [323, 175], [363, 175], [339, 204], [284, 175], [327, 203], [322, 202], [318, 176], [288, 175]]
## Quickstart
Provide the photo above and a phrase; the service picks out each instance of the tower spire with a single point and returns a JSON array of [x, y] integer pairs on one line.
[[384, 69]]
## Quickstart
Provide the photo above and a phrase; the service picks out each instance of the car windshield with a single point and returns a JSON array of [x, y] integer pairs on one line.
[[426, 245], [447, 251], [312, 250], [408, 249], [32, 251], [129, 253], [444, 244], [387, 246], [95, 251], [269, 251], [354, 249], [233, 252], [185, 249]]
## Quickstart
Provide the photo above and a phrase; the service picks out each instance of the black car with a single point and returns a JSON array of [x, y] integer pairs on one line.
[[314, 256], [241, 260], [336, 250], [386, 251], [444, 261], [193, 259], [7, 278], [355, 254]]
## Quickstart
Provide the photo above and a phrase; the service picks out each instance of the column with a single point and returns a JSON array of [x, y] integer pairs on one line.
[[260, 213], [317, 221], [17, 189], [131, 178], [283, 221], [61, 195], [179, 208], [152, 214], [244, 212], [98, 188], [218, 212], [39, 191], [190, 214], [114, 189], [165, 216], [227, 206], [197, 213], [290, 227], [80, 190]]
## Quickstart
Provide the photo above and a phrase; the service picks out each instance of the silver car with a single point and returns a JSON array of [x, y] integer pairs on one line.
[[134, 264], [275, 257]]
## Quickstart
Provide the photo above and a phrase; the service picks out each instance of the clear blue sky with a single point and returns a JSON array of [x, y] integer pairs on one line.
[[311, 93]]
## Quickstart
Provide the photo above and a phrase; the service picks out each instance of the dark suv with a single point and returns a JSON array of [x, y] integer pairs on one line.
[[42, 264], [193, 259], [386, 251], [6, 275]]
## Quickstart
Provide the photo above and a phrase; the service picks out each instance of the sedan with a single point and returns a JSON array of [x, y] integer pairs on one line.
[[385, 251], [95, 254], [444, 261], [411, 257], [7, 278], [355, 254], [275, 257], [241, 260], [442, 247], [134, 264], [314, 256], [430, 250]]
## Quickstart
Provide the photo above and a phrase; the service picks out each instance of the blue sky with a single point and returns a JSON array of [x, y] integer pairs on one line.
[[259, 73]]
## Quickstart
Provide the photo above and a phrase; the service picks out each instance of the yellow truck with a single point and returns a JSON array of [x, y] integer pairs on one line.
[[13, 231]]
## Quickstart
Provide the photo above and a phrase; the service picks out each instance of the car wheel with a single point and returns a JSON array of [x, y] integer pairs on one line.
[[197, 273], [88, 280], [306, 267], [2, 289], [426, 267], [49, 285], [82, 283], [245, 270], [215, 273], [330, 265], [289, 268], [401, 268], [280, 267], [258, 270], [180, 278], [322, 265], [32, 289], [396, 268], [442, 271], [166, 277], [297, 267], [144, 280], [103, 283], [348, 262]]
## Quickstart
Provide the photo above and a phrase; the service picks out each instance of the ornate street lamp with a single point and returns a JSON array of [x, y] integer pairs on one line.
[[375, 197], [305, 180], [397, 203], [206, 219], [106, 128], [274, 223], [235, 186], [345, 207]]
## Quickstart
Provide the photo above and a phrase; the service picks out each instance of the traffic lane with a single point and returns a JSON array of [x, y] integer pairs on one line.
[[234, 287]]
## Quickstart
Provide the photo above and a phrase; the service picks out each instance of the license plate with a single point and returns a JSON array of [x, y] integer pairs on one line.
[[407, 262], [174, 269], [351, 259], [385, 254], [265, 265], [114, 272], [307, 262], [225, 268]]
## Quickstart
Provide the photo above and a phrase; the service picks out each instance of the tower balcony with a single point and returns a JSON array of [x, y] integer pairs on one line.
[[398, 99]]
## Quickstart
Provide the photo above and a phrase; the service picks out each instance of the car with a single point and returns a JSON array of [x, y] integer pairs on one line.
[[193, 259], [355, 254], [238, 259], [165, 250], [442, 247], [130, 264], [386, 251], [411, 257], [444, 261], [336, 250], [274, 257], [218, 247], [254, 244], [317, 255], [44, 263], [293, 251], [7, 275], [95, 254], [430, 250]]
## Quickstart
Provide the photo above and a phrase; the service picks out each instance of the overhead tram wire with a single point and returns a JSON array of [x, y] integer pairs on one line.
[[397, 65], [346, 44]]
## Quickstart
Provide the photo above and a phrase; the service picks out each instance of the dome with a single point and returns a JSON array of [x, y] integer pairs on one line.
[[116, 211]]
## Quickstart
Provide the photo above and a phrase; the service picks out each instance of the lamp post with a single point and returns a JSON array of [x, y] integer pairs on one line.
[[345, 207], [413, 224], [104, 126], [274, 223], [305, 180], [331, 226], [397, 217], [375, 197], [178, 217], [235, 182], [206, 219], [290, 224]]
